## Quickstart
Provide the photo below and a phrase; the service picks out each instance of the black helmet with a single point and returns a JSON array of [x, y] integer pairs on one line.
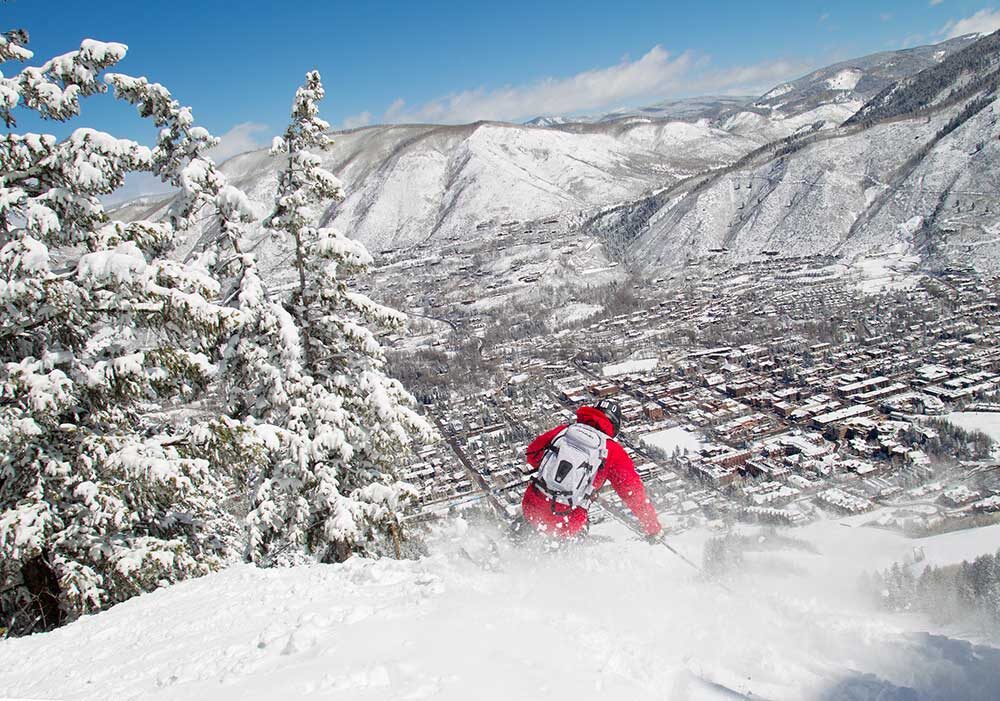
[[610, 408]]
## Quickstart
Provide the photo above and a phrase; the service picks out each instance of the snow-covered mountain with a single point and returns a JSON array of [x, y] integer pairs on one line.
[[435, 182], [916, 171], [857, 79], [692, 174], [690, 109], [413, 183], [827, 97]]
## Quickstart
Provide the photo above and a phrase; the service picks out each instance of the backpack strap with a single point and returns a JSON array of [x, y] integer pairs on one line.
[[588, 500], [551, 447], [540, 484]]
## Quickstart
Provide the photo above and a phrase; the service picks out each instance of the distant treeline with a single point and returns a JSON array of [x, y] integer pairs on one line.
[[946, 594], [954, 442], [924, 89], [724, 554]]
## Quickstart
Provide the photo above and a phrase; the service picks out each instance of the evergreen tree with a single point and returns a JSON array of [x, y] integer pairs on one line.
[[900, 587], [309, 367], [982, 573], [106, 487], [965, 589], [723, 556], [180, 159], [992, 603]]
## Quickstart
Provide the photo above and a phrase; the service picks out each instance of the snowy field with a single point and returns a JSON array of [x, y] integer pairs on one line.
[[987, 422], [629, 366], [671, 439], [949, 548], [894, 270], [575, 311], [616, 619], [845, 80]]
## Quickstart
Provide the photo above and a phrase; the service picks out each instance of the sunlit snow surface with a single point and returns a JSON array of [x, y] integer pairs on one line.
[[987, 422], [617, 619], [845, 80], [673, 439]]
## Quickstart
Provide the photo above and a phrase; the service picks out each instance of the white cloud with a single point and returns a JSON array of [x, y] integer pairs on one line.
[[396, 106], [748, 79], [935, 3], [357, 120], [591, 89], [983, 22], [240, 139], [911, 40], [137, 185], [824, 17], [655, 75]]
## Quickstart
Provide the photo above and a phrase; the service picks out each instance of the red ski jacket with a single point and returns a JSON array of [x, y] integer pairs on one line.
[[618, 469]]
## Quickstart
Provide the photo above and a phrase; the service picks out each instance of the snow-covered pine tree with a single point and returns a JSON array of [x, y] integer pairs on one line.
[[313, 369], [101, 334], [225, 250], [180, 159]]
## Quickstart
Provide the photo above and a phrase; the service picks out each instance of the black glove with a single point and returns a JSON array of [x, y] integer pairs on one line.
[[655, 539]]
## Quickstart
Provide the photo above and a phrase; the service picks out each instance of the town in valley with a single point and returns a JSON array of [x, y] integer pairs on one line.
[[774, 390]]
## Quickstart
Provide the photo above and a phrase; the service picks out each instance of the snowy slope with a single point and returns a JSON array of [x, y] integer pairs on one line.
[[772, 125], [414, 183], [962, 72], [847, 84], [827, 97], [919, 183], [614, 620], [725, 178], [690, 109], [858, 78], [847, 79]]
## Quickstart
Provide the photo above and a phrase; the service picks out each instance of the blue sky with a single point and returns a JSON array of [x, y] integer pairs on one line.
[[237, 63]]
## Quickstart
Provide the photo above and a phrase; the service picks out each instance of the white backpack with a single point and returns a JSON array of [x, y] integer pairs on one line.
[[572, 459]]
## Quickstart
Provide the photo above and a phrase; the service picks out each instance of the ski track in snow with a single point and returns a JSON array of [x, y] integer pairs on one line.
[[612, 620]]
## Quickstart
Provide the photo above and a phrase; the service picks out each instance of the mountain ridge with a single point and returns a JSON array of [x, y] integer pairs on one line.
[[410, 185], [851, 190]]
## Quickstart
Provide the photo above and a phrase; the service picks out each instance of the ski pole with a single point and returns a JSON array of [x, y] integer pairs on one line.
[[624, 521], [676, 552], [679, 554]]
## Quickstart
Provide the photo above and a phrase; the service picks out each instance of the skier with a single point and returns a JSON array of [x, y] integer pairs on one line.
[[573, 462]]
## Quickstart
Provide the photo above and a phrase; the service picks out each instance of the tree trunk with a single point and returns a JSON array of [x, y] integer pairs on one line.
[[301, 308], [341, 550], [43, 586], [397, 541]]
